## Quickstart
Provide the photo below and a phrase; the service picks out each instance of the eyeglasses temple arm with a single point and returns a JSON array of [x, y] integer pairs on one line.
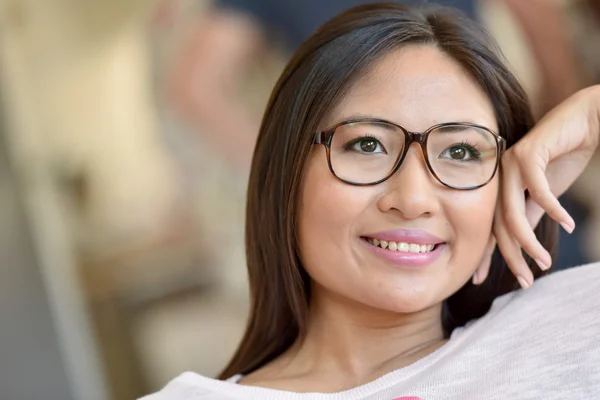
[[318, 138]]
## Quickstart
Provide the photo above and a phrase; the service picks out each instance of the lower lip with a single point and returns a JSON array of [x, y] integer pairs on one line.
[[405, 259]]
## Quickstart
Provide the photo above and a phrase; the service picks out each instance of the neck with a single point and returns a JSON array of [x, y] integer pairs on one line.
[[357, 343]]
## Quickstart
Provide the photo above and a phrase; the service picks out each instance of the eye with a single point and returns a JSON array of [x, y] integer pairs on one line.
[[461, 152], [366, 145]]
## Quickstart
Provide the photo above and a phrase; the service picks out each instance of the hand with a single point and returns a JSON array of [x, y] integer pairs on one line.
[[545, 163]]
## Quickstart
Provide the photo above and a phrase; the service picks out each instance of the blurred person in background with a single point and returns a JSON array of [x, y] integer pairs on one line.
[[564, 37]]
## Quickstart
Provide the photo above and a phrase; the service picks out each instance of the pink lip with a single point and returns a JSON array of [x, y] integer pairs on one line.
[[407, 236]]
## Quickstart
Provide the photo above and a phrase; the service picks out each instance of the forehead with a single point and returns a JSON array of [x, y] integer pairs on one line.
[[417, 86]]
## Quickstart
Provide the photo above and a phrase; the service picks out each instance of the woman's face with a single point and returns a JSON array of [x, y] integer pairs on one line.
[[416, 87]]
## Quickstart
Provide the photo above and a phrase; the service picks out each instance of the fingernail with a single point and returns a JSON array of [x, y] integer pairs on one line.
[[543, 266], [523, 282], [567, 227]]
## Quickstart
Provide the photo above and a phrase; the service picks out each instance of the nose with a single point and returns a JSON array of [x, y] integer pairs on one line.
[[412, 190]]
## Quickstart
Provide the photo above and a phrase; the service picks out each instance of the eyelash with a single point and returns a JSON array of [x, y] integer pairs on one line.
[[471, 147], [348, 146]]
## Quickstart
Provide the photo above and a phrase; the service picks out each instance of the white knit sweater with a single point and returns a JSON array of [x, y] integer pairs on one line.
[[542, 343]]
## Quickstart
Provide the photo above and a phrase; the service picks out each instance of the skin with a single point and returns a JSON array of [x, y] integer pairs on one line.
[[368, 316], [546, 27], [220, 49]]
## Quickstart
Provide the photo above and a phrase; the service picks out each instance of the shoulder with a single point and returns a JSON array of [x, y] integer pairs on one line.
[[565, 287], [556, 317], [537, 343], [561, 302]]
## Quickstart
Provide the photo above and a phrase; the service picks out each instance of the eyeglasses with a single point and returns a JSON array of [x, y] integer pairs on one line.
[[368, 151]]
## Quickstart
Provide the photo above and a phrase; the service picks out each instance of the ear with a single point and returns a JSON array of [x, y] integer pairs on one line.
[[482, 271]]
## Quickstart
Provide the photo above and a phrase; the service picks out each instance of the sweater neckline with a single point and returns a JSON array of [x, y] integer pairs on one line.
[[232, 388]]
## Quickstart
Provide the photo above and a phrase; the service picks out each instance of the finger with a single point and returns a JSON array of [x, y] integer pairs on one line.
[[514, 214], [533, 212], [536, 182], [483, 270], [511, 251]]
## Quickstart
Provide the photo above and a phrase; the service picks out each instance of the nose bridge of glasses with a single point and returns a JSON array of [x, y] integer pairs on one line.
[[414, 137]]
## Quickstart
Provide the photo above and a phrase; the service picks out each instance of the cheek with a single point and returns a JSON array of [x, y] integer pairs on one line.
[[470, 215], [326, 216], [325, 213]]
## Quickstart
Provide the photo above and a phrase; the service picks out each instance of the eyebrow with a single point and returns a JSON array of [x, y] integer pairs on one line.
[[385, 124], [353, 117], [456, 128]]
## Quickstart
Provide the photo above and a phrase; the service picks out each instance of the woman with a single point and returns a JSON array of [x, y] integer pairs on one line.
[[375, 202]]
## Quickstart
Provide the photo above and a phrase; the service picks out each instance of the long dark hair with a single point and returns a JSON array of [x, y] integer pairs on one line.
[[314, 81]]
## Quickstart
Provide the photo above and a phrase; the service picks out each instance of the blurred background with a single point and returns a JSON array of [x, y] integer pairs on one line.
[[126, 133]]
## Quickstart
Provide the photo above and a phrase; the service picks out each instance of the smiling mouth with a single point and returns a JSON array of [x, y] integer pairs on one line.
[[402, 247]]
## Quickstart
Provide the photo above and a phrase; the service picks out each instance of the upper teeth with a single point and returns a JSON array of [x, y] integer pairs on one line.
[[402, 246]]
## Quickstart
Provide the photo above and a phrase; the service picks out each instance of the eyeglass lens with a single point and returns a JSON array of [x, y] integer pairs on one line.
[[366, 152]]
